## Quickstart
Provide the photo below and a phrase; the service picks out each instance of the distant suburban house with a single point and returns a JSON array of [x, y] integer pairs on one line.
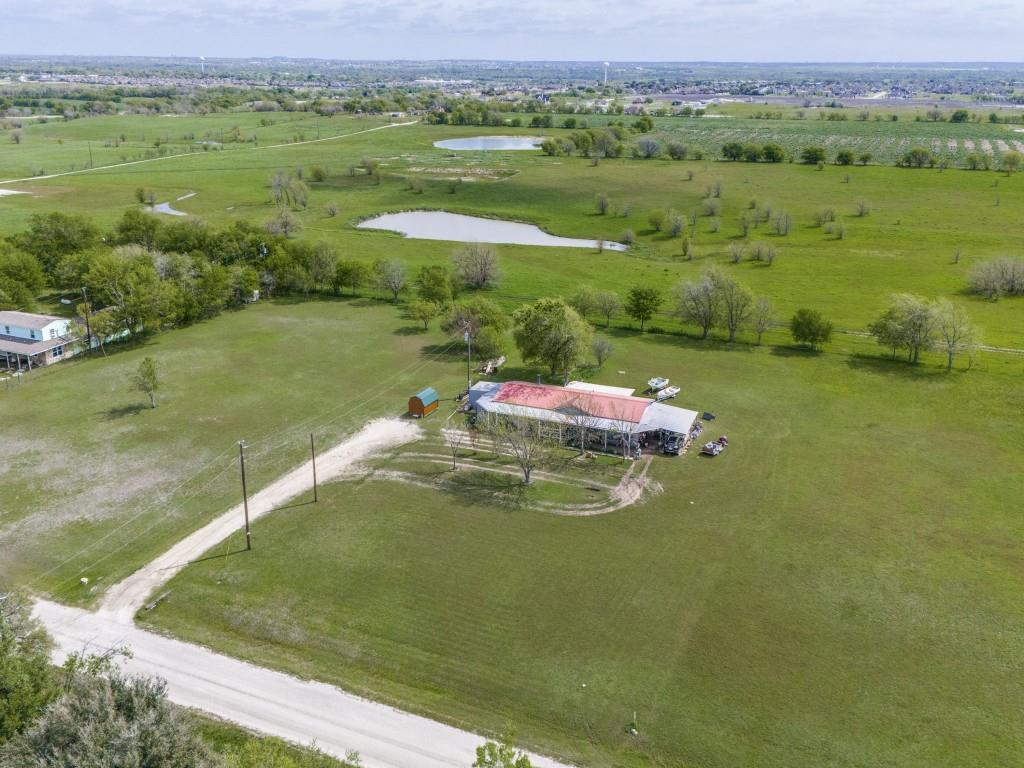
[[611, 418], [29, 341]]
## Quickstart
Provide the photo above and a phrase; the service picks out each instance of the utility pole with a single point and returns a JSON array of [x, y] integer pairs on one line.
[[469, 359], [245, 495], [88, 327], [89, 143], [312, 452]]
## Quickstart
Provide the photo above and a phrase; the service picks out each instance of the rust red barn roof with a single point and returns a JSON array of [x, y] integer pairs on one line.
[[551, 398]]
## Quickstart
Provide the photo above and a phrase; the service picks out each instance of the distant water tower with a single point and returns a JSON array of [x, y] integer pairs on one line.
[[606, 73], [202, 65]]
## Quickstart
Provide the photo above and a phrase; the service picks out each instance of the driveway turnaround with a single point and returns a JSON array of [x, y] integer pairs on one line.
[[270, 702]]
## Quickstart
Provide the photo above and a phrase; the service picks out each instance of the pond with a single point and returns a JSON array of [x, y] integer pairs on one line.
[[491, 143], [441, 225]]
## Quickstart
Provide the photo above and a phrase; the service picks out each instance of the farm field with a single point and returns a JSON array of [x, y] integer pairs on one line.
[[905, 243], [836, 583], [843, 588]]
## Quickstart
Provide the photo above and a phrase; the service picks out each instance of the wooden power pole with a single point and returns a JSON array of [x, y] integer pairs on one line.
[[245, 495]]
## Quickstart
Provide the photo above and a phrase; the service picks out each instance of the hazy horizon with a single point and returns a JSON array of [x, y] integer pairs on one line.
[[728, 31]]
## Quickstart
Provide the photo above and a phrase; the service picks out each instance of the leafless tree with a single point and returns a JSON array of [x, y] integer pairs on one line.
[[454, 437], [527, 440], [763, 316], [601, 203], [390, 276], [956, 332], [601, 349], [580, 422], [476, 264], [607, 304], [698, 303], [735, 301]]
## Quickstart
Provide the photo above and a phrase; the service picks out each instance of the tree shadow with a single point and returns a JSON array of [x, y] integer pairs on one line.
[[119, 412], [487, 487], [448, 352], [790, 350], [884, 365], [409, 330]]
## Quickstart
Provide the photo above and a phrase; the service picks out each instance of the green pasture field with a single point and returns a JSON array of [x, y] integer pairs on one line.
[[843, 590], [95, 483], [59, 146], [839, 587], [906, 243]]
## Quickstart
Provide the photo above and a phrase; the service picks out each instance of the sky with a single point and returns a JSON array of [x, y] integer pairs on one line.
[[583, 30]]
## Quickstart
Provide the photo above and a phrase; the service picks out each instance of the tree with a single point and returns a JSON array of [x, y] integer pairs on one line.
[[736, 302], [454, 438], [657, 220], [389, 276], [773, 153], [844, 157], [998, 277], [126, 280], [105, 325], [523, 438], [423, 311], [1010, 162], [647, 148], [676, 150], [864, 158], [607, 303], [601, 203], [732, 150], [698, 303], [109, 719], [285, 223], [51, 236], [959, 116], [584, 300], [476, 265], [813, 155], [956, 334], [474, 314], [435, 283], [917, 157], [763, 316], [601, 349], [908, 322], [146, 379], [137, 227], [808, 327], [551, 333], [490, 343], [642, 302], [349, 273], [26, 683]]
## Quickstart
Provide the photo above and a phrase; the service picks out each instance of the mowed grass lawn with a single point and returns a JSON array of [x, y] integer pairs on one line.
[[95, 483], [844, 588]]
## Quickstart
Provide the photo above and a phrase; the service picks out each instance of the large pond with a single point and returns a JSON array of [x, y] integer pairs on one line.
[[491, 143], [441, 225]]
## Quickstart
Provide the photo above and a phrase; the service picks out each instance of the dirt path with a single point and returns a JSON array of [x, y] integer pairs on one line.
[[199, 154], [124, 599], [301, 711]]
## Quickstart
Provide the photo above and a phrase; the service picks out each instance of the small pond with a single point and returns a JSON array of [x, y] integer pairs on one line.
[[441, 225], [491, 143]]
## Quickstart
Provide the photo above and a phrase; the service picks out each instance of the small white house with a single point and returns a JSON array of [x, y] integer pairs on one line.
[[28, 341]]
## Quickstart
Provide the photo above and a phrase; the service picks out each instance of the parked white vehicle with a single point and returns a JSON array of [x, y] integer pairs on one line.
[[657, 383], [667, 393]]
